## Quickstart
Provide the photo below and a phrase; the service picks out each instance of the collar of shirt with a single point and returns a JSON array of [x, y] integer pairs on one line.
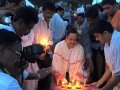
[[12, 28], [41, 17], [114, 35]]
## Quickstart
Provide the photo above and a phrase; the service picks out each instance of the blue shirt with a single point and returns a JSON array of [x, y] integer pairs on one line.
[[8, 83]]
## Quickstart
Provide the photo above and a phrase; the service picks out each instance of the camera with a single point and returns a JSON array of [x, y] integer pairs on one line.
[[31, 53]]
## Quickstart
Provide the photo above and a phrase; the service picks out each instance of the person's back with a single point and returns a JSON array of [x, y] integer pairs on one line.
[[59, 27]]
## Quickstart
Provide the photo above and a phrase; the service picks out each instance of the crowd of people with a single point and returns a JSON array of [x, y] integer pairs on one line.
[[79, 45]]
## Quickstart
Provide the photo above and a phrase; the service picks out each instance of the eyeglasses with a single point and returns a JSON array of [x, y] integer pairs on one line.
[[15, 52]]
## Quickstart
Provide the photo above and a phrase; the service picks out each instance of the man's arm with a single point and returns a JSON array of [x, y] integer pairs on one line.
[[105, 77], [114, 80], [42, 73]]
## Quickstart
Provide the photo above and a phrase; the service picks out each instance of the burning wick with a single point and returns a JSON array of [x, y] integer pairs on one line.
[[78, 85]]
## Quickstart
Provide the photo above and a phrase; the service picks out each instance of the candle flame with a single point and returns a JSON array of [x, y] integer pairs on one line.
[[44, 42], [72, 85]]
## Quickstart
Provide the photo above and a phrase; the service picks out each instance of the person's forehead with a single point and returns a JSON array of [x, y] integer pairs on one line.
[[80, 17], [71, 35], [90, 20], [107, 5], [97, 34], [49, 11]]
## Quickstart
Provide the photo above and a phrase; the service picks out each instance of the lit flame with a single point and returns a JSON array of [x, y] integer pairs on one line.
[[63, 82], [77, 84], [72, 85], [44, 42]]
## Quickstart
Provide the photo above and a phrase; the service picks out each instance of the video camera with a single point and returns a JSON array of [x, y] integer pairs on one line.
[[31, 53]]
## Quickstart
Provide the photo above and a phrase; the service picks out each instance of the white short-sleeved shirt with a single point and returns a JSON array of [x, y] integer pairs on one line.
[[8, 83], [112, 53]]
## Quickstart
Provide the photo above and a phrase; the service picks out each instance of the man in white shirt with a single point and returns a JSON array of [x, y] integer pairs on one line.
[[42, 34], [104, 32], [68, 59]]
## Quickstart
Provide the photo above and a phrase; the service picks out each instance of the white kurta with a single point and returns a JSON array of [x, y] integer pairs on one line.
[[112, 55], [28, 39], [59, 27], [43, 33], [65, 59]]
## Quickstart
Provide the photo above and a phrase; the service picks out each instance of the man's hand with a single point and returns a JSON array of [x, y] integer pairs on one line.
[[61, 80], [97, 84], [44, 72], [47, 48], [42, 56]]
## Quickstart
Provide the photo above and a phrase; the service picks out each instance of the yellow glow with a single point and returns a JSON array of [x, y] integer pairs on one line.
[[71, 85], [63, 82], [77, 84], [44, 42], [73, 81]]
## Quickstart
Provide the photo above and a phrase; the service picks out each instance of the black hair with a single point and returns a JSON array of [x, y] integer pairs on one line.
[[102, 26], [81, 14], [17, 2], [8, 37], [98, 6], [28, 14], [70, 29], [2, 3], [59, 9], [110, 2], [49, 5], [91, 12]]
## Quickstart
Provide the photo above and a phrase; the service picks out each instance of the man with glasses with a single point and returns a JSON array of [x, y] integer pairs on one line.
[[10, 45], [22, 22], [11, 68], [110, 8]]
